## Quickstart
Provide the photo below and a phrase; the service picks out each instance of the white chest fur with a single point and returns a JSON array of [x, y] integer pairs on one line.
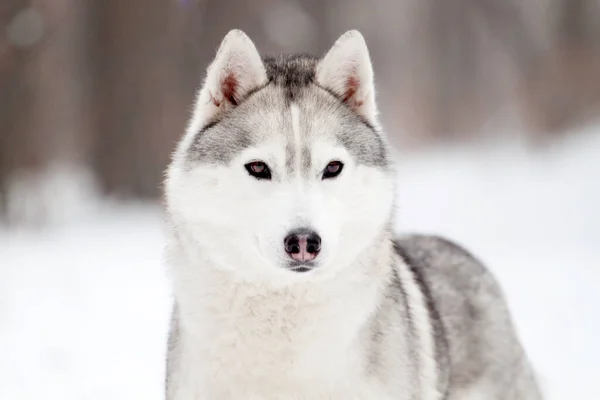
[[243, 341]]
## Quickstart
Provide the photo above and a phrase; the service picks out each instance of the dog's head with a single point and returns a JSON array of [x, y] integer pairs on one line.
[[283, 169]]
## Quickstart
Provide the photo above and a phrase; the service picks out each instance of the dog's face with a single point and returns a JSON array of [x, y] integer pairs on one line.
[[281, 171]]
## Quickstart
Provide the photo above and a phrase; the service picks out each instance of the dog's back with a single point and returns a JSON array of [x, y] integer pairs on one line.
[[479, 354]]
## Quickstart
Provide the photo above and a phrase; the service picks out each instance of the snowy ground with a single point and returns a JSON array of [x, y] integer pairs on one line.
[[84, 307]]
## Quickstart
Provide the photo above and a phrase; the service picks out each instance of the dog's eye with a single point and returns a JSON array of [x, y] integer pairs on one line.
[[332, 169], [259, 170]]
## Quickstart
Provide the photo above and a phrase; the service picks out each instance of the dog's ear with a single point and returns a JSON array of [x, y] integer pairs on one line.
[[236, 70], [346, 70]]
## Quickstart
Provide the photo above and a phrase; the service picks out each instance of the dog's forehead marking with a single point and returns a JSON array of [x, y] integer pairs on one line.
[[298, 153], [295, 116]]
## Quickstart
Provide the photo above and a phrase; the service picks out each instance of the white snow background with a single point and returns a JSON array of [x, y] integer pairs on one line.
[[84, 305]]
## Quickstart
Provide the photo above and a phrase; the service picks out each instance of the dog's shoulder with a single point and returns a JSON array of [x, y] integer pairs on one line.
[[432, 254], [466, 303], [451, 275]]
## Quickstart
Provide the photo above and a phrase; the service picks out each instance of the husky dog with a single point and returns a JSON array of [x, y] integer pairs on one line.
[[287, 278]]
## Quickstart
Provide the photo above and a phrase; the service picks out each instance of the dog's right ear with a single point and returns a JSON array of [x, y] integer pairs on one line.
[[346, 70], [236, 70]]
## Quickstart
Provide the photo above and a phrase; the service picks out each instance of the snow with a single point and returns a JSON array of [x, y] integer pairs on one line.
[[84, 309], [84, 306]]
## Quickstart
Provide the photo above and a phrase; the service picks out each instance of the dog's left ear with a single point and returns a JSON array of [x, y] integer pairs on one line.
[[236, 70], [346, 70]]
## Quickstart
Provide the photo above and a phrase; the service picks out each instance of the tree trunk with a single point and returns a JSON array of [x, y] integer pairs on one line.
[[42, 107]]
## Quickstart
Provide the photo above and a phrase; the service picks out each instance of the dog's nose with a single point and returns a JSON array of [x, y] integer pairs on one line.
[[302, 245]]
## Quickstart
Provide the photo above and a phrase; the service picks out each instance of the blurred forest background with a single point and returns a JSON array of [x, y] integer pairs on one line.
[[104, 88]]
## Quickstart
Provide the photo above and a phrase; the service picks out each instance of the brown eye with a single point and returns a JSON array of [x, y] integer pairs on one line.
[[259, 170], [332, 169]]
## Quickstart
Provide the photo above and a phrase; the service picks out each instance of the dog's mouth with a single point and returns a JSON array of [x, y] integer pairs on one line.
[[298, 266]]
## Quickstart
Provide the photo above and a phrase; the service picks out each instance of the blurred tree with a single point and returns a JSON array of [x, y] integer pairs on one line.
[[565, 90], [128, 59], [14, 101], [42, 106]]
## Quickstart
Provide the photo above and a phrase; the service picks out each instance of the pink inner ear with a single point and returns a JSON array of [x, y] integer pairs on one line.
[[228, 90], [228, 87], [352, 85]]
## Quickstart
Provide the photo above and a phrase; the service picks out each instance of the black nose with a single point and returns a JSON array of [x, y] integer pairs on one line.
[[302, 245]]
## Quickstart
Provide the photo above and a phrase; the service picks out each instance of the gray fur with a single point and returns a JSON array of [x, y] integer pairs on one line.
[[394, 310], [290, 162], [290, 80], [476, 342]]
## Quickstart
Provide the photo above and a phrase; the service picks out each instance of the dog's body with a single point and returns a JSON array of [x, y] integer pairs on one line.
[[288, 281]]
